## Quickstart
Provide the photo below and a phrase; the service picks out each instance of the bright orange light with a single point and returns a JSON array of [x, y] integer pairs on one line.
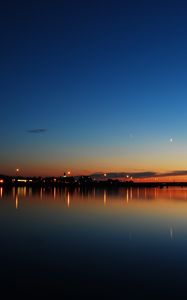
[[1, 180], [17, 170], [69, 172]]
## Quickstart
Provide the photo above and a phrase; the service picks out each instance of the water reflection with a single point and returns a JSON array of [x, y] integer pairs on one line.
[[68, 199], [171, 232], [106, 196], [129, 237], [1, 192], [17, 201], [127, 197]]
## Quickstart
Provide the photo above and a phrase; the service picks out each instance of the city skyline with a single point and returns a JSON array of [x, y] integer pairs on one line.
[[93, 87]]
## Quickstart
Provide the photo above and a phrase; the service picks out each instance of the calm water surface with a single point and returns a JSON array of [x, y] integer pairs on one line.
[[114, 243]]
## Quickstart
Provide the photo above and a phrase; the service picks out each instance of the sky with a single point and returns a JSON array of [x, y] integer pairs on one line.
[[93, 86]]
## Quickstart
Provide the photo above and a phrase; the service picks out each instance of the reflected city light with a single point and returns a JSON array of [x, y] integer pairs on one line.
[[130, 193], [54, 193], [17, 201], [138, 193], [22, 191], [171, 233], [104, 197], [127, 196], [1, 192], [68, 199]]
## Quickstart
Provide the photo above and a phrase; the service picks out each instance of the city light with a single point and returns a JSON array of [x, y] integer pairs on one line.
[[22, 180]]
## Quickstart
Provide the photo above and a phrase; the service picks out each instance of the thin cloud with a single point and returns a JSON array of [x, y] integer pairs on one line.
[[148, 174], [37, 130], [174, 173], [125, 174]]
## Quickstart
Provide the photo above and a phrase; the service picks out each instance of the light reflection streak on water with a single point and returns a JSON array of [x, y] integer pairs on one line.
[[138, 193], [127, 197], [21, 191], [24, 191], [54, 193], [131, 193], [17, 201], [171, 232], [164, 199], [104, 197], [68, 199]]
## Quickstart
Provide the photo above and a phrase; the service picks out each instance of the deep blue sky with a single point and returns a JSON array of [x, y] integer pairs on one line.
[[106, 79]]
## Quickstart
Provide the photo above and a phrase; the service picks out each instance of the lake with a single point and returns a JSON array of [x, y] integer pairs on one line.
[[104, 243]]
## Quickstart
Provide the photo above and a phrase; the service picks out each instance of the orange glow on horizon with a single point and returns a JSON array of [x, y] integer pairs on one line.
[[179, 178]]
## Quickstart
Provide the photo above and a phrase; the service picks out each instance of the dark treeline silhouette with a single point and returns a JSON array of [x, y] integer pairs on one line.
[[79, 181]]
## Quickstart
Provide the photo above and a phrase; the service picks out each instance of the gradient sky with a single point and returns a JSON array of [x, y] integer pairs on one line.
[[106, 81]]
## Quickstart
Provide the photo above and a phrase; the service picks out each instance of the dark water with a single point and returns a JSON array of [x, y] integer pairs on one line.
[[116, 243]]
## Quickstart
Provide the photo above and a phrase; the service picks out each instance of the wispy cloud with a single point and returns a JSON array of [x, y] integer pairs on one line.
[[147, 174], [37, 130], [173, 173], [125, 174]]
